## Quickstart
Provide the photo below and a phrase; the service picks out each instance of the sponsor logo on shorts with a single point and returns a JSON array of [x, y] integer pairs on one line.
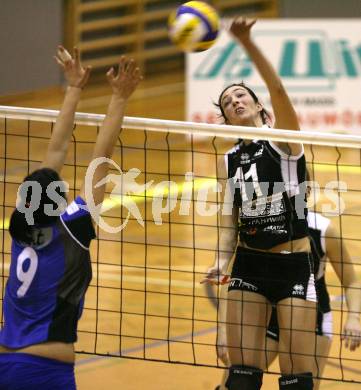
[[242, 372], [239, 283], [298, 289], [289, 382]]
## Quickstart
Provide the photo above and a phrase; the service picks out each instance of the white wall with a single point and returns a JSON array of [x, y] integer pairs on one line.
[[320, 8], [30, 30]]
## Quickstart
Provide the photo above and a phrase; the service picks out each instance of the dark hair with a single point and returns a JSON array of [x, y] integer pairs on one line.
[[265, 115], [19, 228]]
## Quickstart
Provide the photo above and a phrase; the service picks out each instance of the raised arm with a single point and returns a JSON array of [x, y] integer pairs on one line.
[[285, 115], [76, 77], [123, 85], [345, 269]]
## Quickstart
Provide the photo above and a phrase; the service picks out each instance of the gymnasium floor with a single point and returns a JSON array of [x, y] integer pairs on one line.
[[156, 279]]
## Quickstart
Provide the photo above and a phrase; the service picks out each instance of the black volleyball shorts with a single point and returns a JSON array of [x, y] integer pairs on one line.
[[276, 276]]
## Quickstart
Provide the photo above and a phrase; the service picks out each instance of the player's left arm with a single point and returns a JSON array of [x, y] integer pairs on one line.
[[76, 76], [285, 114], [345, 269]]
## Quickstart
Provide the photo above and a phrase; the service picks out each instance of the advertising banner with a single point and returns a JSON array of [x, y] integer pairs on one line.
[[319, 61]]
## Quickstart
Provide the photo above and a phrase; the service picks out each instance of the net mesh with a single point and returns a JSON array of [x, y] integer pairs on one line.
[[145, 300]]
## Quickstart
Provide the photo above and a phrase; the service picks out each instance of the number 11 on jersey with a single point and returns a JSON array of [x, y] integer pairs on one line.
[[251, 173]]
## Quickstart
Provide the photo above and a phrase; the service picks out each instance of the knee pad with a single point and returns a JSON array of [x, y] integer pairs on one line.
[[244, 377], [302, 381]]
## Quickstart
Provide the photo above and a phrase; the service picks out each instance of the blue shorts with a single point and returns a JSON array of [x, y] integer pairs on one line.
[[21, 371]]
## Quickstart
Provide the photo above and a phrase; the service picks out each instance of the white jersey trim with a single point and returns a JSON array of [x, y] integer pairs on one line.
[[290, 177], [73, 208], [285, 155], [72, 236], [230, 151], [319, 222], [327, 325], [311, 290]]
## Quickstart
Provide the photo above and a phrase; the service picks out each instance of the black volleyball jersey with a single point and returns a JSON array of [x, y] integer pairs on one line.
[[265, 183]]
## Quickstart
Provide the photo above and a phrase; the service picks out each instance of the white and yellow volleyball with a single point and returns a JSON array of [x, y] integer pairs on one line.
[[194, 26]]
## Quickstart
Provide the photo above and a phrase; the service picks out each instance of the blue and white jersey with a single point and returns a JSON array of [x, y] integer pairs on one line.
[[47, 282]]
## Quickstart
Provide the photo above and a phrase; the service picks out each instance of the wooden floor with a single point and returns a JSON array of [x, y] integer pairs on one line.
[[162, 277]]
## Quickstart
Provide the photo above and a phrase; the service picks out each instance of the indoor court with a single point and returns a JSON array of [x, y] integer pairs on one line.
[[162, 278], [145, 302]]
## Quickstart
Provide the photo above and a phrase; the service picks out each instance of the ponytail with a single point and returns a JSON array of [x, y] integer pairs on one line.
[[19, 228]]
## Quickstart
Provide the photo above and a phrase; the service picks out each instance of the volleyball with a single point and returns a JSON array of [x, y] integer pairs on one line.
[[194, 26]]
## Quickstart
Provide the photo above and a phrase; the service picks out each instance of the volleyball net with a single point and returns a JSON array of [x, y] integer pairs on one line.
[[158, 239]]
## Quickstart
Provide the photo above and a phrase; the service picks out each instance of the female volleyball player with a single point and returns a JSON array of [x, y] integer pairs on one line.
[[50, 264], [273, 263], [325, 244]]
